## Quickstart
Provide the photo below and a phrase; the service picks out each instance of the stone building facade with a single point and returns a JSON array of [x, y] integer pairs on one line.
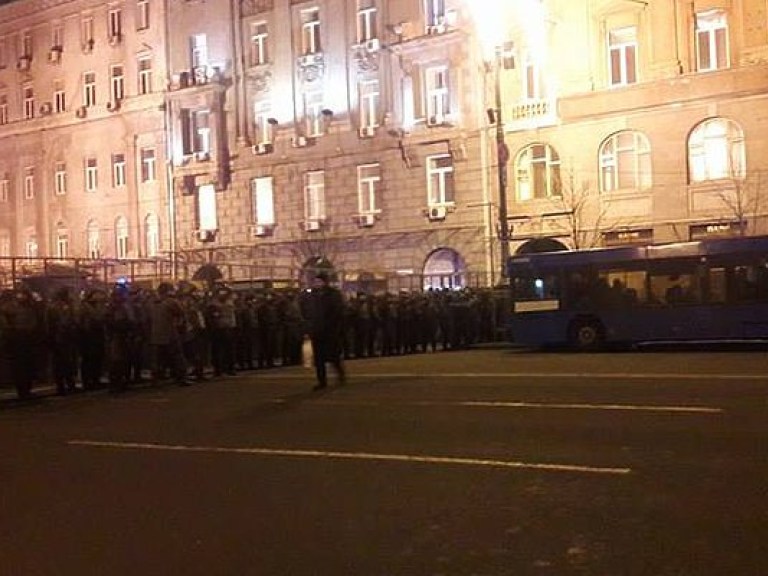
[[361, 134]]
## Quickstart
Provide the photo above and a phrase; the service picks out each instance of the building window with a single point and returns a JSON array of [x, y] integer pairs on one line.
[[531, 77], [259, 37], [196, 133], [314, 196], [310, 31], [60, 178], [32, 249], [89, 89], [57, 36], [711, 40], [29, 182], [263, 201], [117, 82], [28, 97], [199, 51], [148, 165], [152, 235], [3, 53], [118, 170], [262, 123], [86, 33], [3, 109], [622, 49], [537, 171], [115, 25], [121, 238], [142, 14], [368, 183], [313, 113], [438, 102], [145, 75], [62, 244], [369, 104], [206, 208], [25, 48], [93, 239], [716, 151], [435, 13], [4, 186], [5, 244], [440, 188], [59, 97], [625, 162], [91, 175], [367, 21]]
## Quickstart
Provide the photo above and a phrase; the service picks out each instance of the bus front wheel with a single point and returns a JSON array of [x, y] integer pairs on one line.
[[586, 334]]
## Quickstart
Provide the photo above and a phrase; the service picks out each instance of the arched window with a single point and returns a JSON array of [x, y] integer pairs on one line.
[[121, 237], [444, 268], [625, 162], [93, 239], [716, 151], [152, 235], [537, 172]]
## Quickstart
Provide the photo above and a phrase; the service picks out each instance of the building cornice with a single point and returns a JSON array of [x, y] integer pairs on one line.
[[21, 9]]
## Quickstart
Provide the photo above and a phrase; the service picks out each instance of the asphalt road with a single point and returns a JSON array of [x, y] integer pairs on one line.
[[487, 462]]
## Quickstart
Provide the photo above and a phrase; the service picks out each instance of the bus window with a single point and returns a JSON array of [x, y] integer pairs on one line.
[[745, 284], [627, 287], [535, 287], [674, 289], [717, 285]]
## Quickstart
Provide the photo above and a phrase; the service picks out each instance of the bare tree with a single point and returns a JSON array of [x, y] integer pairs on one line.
[[742, 197], [581, 214]]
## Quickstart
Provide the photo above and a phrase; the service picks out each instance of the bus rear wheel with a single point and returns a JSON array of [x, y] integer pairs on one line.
[[586, 334]]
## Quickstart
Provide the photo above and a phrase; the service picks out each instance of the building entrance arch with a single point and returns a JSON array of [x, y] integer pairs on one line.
[[541, 245], [444, 268]]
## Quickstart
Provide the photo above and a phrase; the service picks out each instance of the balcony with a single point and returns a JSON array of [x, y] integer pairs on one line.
[[531, 114]]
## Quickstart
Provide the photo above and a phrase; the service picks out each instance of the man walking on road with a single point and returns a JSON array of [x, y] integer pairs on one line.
[[324, 313]]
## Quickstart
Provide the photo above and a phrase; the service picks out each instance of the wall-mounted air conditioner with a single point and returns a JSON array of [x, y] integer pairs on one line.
[[300, 141], [435, 120], [54, 55], [366, 220], [311, 225], [437, 212], [206, 235], [367, 131], [46, 108], [81, 111], [372, 45], [436, 29], [258, 230], [263, 148]]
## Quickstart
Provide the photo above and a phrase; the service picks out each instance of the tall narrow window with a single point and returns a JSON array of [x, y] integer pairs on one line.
[[259, 37], [622, 49], [440, 189], [86, 33], [538, 173], [314, 196], [438, 100], [91, 175], [115, 25], [57, 36], [60, 178], [3, 109], [62, 243], [5, 244], [368, 183], [310, 31], [199, 51], [118, 170], [206, 208], [25, 48], [263, 201], [531, 77], [142, 14], [4, 186], [152, 235], [145, 74], [29, 182], [435, 13], [367, 21], [117, 82], [59, 96], [369, 104], [313, 113], [262, 125], [93, 239], [148, 165], [716, 151], [121, 238], [3, 53], [196, 134], [625, 162], [89, 89], [712, 40], [28, 96]]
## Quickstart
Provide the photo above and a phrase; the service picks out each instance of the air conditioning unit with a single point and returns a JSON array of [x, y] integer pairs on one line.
[[366, 220], [367, 131], [206, 235], [311, 225], [310, 59], [202, 156], [437, 212], [200, 74], [258, 230], [263, 148], [115, 39], [23, 63], [88, 45], [300, 141], [372, 45], [435, 121], [81, 112], [436, 29], [113, 105], [46, 108], [54, 55]]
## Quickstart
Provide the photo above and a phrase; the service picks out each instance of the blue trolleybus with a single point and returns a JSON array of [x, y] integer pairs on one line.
[[710, 290]]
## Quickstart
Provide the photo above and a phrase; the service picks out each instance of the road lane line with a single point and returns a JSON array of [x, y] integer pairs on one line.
[[628, 407], [322, 454], [541, 375]]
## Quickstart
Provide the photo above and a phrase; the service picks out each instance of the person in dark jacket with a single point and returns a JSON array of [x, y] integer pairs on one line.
[[62, 337], [324, 313]]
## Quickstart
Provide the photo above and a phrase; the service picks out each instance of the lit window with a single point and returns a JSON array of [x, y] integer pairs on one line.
[[152, 235], [259, 36], [310, 31], [3, 109], [435, 12], [148, 165], [438, 103], [711, 40], [622, 48], [32, 247], [314, 196], [94, 239], [625, 162], [25, 48], [368, 183], [117, 82], [262, 124], [369, 104], [4, 186], [440, 188], [716, 151], [115, 25], [263, 201], [62, 243], [121, 237], [199, 51], [60, 178], [59, 97], [28, 96], [145, 75], [86, 33], [142, 14], [29, 182], [531, 77], [313, 113], [57, 36], [206, 208], [118, 170], [91, 175], [367, 16], [538, 173], [89, 89]]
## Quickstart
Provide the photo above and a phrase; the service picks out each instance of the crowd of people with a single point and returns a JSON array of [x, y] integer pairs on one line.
[[181, 333]]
